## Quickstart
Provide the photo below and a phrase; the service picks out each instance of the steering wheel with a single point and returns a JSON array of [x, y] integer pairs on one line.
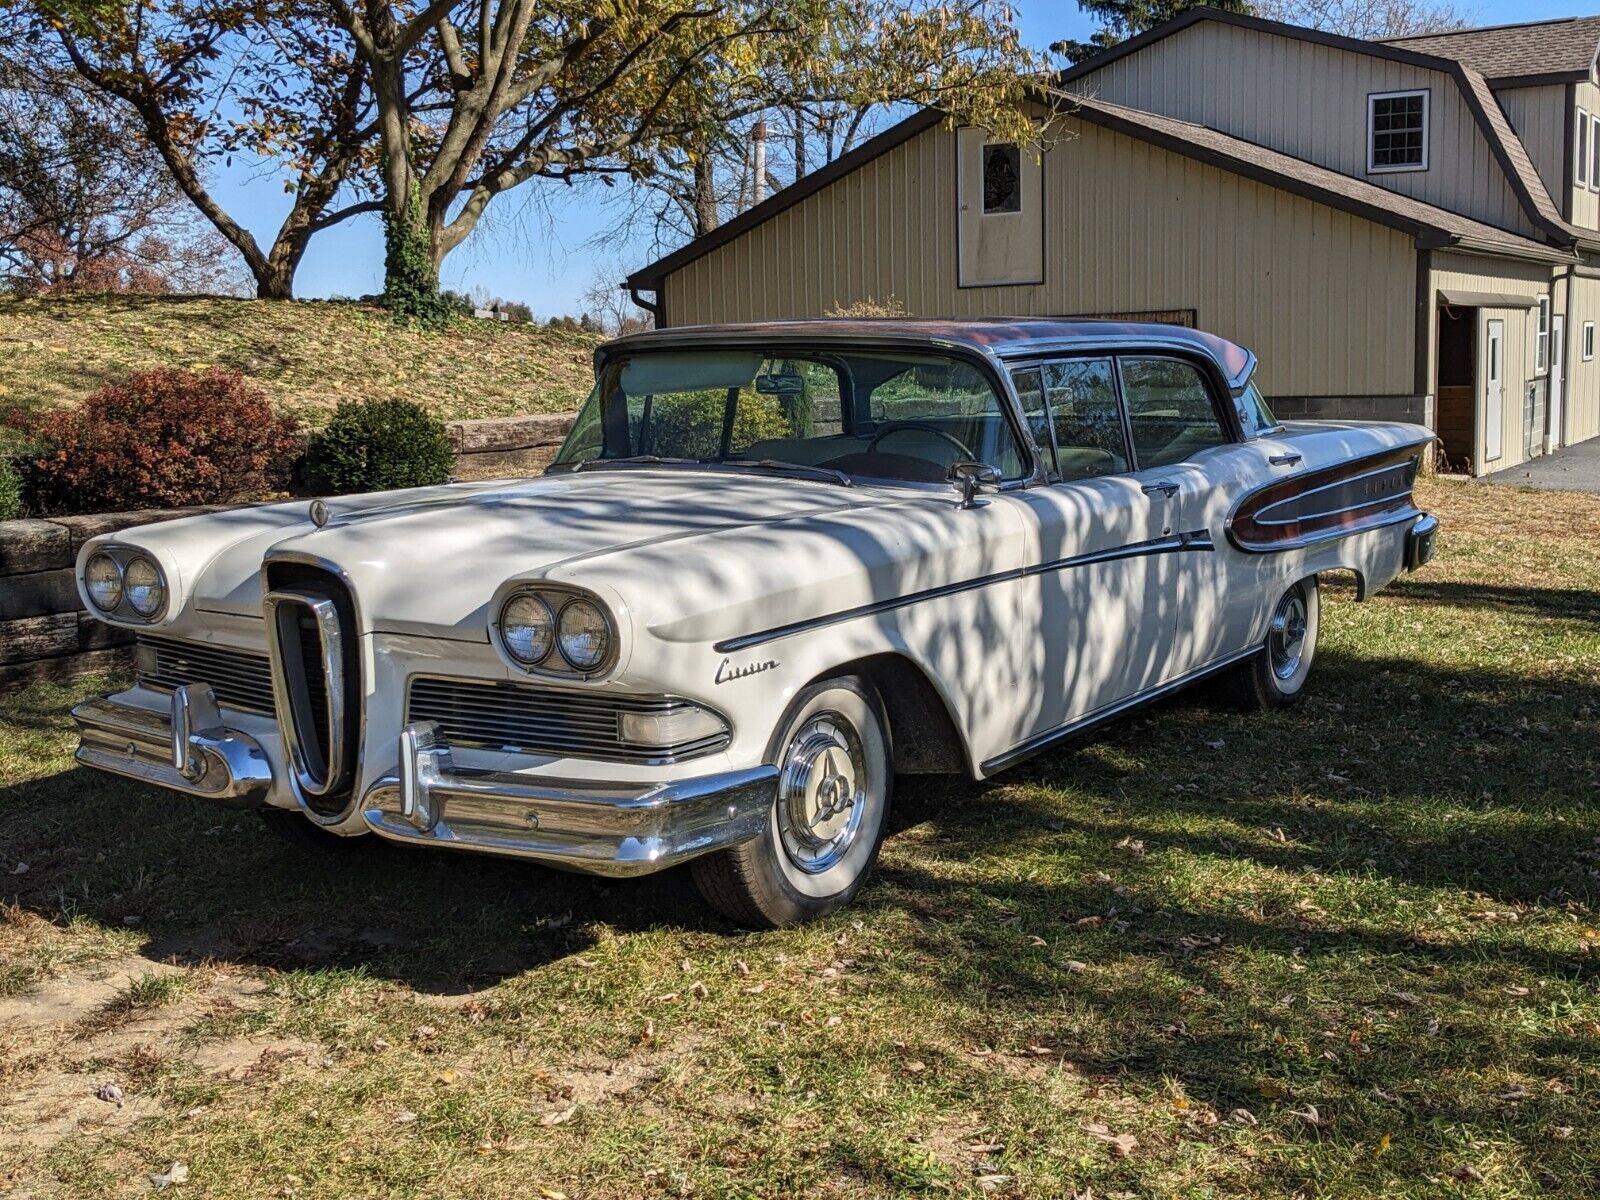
[[905, 426]]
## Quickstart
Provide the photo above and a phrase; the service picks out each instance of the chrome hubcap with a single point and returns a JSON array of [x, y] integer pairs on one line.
[[822, 793], [1287, 641]]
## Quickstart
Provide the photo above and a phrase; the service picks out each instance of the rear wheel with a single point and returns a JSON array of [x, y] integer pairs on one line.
[[1275, 677], [835, 776]]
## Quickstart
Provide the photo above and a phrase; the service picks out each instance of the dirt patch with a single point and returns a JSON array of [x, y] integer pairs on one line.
[[81, 1059], [65, 1000]]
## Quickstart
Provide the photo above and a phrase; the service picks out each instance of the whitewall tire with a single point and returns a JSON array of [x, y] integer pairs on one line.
[[1275, 677], [835, 778]]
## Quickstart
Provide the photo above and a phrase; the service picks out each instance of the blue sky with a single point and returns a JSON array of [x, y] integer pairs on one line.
[[539, 253]]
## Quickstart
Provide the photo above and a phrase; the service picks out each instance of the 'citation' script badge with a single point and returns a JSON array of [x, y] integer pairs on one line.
[[728, 672]]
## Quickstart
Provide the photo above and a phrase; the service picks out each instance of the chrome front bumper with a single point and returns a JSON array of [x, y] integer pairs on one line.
[[599, 828], [187, 749]]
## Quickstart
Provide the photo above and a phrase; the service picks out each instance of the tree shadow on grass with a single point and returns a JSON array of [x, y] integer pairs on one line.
[[215, 885]]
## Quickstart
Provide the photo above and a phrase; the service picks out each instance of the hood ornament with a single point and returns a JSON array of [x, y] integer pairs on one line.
[[321, 514]]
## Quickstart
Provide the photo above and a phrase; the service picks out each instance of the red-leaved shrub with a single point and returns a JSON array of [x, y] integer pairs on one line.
[[164, 438]]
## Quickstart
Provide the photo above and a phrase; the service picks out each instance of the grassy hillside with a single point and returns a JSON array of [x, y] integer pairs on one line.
[[307, 355]]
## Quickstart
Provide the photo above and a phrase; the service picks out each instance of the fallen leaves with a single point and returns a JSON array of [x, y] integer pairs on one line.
[[1121, 1145]]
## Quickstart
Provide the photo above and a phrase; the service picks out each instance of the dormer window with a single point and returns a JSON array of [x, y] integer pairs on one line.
[[1397, 131], [1594, 152], [1580, 152]]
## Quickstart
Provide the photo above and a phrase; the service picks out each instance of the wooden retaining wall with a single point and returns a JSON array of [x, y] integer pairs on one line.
[[45, 632]]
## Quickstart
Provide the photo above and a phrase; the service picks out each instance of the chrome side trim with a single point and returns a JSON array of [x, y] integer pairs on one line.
[[1408, 513], [1199, 540], [600, 828], [1408, 467], [186, 750], [312, 774], [1044, 741]]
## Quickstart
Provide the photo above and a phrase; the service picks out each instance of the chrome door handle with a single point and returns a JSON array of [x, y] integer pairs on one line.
[[1284, 460], [1165, 486]]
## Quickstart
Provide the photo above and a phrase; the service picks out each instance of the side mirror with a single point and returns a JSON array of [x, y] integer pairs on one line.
[[969, 477]]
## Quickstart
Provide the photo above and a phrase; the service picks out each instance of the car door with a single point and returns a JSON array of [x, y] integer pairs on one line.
[[1188, 467], [1093, 574]]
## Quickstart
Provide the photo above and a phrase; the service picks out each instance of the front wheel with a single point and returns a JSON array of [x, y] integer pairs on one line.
[[835, 775], [1275, 677]]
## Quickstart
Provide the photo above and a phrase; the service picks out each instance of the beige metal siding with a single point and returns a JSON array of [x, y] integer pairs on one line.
[[1465, 273], [1325, 299], [1539, 115], [1586, 200], [1310, 100], [1583, 388]]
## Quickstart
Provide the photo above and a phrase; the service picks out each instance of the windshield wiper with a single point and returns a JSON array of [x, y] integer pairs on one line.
[[827, 474], [638, 460]]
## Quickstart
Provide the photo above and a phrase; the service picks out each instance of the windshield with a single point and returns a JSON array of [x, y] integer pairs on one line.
[[906, 417]]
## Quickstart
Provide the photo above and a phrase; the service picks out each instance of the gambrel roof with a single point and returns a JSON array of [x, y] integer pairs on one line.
[[1559, 51], [1430, 223]]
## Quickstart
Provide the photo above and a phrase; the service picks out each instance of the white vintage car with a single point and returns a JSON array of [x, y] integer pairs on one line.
[[746, 596]]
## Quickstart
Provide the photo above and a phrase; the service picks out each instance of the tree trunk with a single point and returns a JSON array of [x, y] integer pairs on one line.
[[799, 118], [706, 216]]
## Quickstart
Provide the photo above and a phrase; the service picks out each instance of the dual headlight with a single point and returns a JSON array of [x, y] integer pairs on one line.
[[126, 582], [548, 628]]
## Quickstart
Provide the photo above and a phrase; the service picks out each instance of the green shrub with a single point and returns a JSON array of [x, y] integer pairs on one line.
[[160, 439], [375, 445], [10, 491]]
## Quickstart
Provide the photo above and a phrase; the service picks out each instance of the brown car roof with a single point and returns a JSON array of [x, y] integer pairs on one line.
[[1000, 335]]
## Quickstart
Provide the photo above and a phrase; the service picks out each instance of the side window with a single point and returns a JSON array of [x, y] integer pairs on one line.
[[1083, 411], [1169, 411], [1030, 390]]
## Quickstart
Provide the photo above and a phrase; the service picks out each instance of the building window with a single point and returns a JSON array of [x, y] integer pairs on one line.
[[1541, 338], [1397, 131], [1588, 340], [1002, 178], [1580, 153], [1594, 152]]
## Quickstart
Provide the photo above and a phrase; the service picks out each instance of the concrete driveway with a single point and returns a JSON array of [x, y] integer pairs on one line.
[[1570, 469]]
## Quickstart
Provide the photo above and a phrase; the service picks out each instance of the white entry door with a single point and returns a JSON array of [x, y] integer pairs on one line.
[[1494, 390]]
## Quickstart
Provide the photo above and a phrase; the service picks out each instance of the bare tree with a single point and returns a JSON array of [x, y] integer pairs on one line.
[[212, 80], [86, 204], [1368, 19], [610, 306]]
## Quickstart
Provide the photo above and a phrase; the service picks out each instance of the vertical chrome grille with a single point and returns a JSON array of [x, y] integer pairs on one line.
[[311, 642]]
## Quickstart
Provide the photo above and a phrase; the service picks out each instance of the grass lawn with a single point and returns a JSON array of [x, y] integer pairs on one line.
[[1347, 950], [306, 355]]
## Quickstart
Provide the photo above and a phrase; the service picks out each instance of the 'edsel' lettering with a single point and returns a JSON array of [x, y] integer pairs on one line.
[[726, 672]]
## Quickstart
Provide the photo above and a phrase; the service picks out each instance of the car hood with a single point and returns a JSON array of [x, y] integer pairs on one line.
[[429, 561]]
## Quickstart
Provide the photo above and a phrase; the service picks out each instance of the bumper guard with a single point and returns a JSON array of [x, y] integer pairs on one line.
[[1421, 541], [599, 828], [188, 749]]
